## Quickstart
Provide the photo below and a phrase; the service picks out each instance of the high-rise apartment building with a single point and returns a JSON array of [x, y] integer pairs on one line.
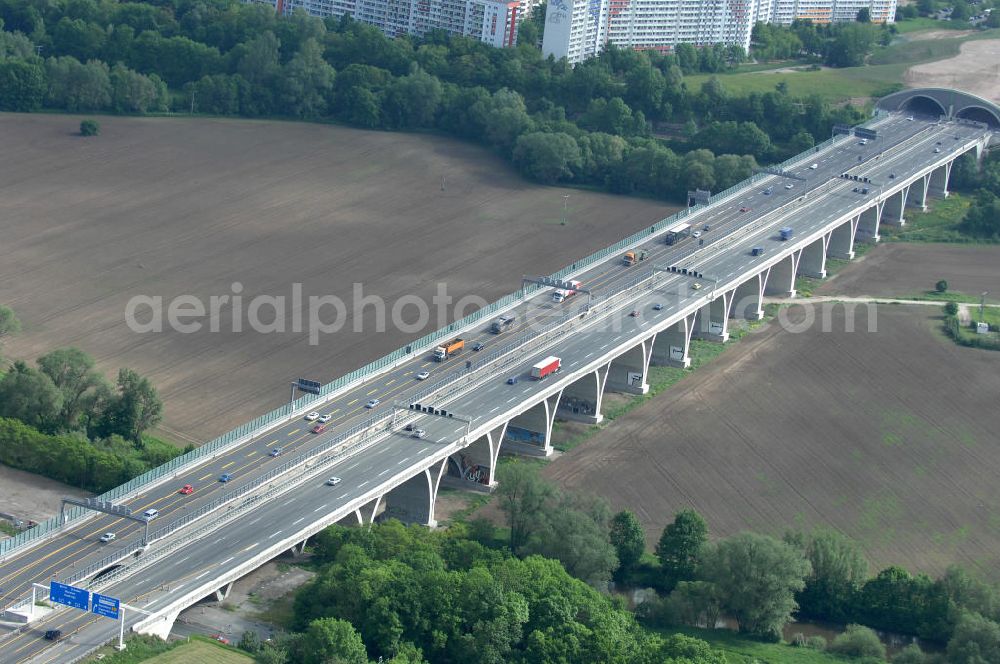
[[490, 21], [579, 29]]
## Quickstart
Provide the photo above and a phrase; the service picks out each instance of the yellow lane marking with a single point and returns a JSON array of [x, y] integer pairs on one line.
[[373, 391], [205, 477], [351, 403], [292, 432], [228, 465]]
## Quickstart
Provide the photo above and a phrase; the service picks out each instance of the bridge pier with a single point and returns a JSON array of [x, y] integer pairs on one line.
[[581, 400], [159, 626], [841, 244], [221, 594], [869, 222], [748, 299], [780, 278], [712, 320], [813, 260], [531, 431], [671, 347], [895, 206], [298, 549], [627, 372], [938, 181], [413, 500], [918, 195], [477, 462]]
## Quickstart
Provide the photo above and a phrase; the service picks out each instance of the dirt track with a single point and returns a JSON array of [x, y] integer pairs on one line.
[[164, 207], [887, 436]]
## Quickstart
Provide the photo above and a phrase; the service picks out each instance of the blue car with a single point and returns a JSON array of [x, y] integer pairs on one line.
[[225, 477]]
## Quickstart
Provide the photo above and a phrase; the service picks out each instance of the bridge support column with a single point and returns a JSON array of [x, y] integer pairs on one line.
[[413, 500], [159, 626], [712, 320], [475, 466], [581, 400], [221, 594], [841, 243], [671, 346], [780, 278], [895, 205], [938, 180], [300, 548], [918, 193], [531, 431], [813, 260], [869, 222], [627, 372], [748, 299]]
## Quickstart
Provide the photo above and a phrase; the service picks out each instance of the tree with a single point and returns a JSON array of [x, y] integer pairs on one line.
[[941, 286], [90, 128], [75, 86], [758, 577], [852, 43], [983, 216], [547, 158], [680, 547], [134, 409], [976, 640], [864, 15], [9, 324], [22, 86], [628, 538], [131, 92], [72, 372], [29, 395], [838, 570], [307, 82], [858, 641], [911, 654], [523, 494], [250, 641], [331, 640], [575, 532], [951, 309]]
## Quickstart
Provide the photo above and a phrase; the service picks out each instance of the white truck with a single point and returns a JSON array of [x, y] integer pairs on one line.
[[565, 293]]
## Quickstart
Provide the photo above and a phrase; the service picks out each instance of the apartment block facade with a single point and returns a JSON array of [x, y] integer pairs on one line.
[[579, 29], [490, 21]]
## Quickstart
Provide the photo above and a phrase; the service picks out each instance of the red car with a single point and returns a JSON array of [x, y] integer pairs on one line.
[[187, 490], [319, 428], [744, 209], [221, 639]]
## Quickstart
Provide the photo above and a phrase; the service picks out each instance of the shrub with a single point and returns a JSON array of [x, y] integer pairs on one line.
[[941, 286], [816, 642], [90, 128], [858, 641], [951, 309]]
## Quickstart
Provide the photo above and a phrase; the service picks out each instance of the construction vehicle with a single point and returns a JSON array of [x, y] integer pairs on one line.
[[564, 293], [633, 257], [444, 351], [502, 324], [786, 233], [546, 367]]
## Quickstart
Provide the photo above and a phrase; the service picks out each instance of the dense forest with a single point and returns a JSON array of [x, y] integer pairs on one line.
[[624, 121]]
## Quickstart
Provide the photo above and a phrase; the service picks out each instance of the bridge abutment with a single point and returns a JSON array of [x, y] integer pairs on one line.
[[159, 626]]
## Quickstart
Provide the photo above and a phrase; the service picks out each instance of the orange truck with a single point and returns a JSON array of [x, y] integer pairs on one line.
[[633, 257], [444, 351]]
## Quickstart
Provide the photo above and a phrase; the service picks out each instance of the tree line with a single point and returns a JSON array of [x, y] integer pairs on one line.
[[982, 179], [597, 124], [65, 421], [844, 44]]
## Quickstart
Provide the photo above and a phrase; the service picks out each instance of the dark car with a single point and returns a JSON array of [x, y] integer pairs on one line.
[[53, 635], [479, 346]]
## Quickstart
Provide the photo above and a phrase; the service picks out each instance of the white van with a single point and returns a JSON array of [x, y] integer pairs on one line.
[[150, 514]]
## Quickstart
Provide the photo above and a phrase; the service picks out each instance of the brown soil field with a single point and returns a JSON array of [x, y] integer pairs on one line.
[[165, 207], [901, 269], [889, 437], [975, 69]]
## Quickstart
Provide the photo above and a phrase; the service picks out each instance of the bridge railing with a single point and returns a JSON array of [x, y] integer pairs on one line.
[[264, 422]]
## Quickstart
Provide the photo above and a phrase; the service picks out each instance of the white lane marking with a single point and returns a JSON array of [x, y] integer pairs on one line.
[[255, 521], [362, 484], [343, 496], [511, 399], [273, 535], [201, 575], [422, 450], [295, 523], [352, 467], [383, 472], [251, 546], [403, 461], [459, 429], [441, 440], [495, 409], [176, 588], [226, 561], [319, 508]]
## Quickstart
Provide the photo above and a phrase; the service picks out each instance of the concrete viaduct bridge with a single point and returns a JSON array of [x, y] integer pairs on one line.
[[841, 193]]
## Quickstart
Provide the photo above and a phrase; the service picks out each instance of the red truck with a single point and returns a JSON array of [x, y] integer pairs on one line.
[[549, 365]]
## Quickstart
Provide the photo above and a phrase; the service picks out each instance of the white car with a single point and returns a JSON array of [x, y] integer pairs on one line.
[[696, 286], [312, 416], [789, 185], [333, 481], [814, 167], [696, 234], [419, 433], [149, 515], [371, 403], [108, 537], [323, 419], [423, 375], [909, 118]]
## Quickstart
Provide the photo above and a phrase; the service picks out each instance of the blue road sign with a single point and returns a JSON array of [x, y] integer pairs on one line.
[[61, 593], [106, 606]]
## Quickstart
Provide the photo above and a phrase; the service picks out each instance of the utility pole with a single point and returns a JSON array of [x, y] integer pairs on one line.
[[982, 306], [565, 210]]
